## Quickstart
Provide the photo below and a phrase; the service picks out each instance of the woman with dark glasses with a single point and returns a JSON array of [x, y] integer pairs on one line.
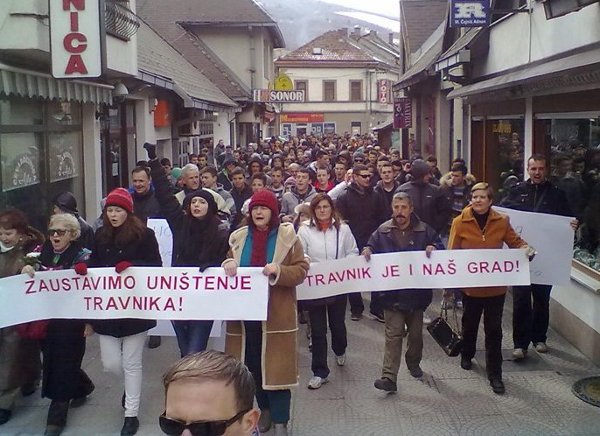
[[209, 394]]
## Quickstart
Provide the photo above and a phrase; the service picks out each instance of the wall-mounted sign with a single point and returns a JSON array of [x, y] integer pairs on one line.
[[402, 113], [272, 96], [283, 83], [75, 38], [470, 13], [383, 91], [302, 118]]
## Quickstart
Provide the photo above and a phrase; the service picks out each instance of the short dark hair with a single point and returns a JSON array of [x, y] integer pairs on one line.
[[359, 167], [259, 176], [165, 161], [459, 167], [536, 156], [304, 171], [237, 171], [215, 365], [209, 169], [141, 169], [431, 158]]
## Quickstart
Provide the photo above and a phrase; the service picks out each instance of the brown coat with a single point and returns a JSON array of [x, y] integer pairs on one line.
[[465, 233], [279, 347]]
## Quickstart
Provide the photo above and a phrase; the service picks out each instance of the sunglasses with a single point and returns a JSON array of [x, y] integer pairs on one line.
[[365, 176], [175, 427], [59, 232]]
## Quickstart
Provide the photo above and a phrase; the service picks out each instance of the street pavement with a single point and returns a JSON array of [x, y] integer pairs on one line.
[[446, 401]]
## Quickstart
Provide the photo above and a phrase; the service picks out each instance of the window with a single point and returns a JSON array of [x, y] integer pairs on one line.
[[302, 85], [329, 93], [355, 128], [356, 90]]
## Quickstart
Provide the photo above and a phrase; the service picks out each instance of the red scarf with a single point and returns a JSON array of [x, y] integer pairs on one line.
[[324, 226], [258, 256]]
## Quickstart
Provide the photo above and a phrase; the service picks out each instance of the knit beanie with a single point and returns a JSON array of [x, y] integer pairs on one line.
[[264, 198], [419, 168], [120, 197], [176, 173], [66, 202], [202, 193]]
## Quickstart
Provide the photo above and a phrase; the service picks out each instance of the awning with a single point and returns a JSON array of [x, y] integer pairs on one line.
[[457, 53], [558, 67], [33, 84]]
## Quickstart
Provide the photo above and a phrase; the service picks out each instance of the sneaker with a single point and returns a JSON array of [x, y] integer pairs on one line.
[[310, 344], [385, 384], [541, 347], [130, 426], [519, 354], [356, 316], [340, 360], [497, 386], [459, 304], [280, 430], [416, 372], [426, 320], [316, 382], [466, 363], [376, 316]]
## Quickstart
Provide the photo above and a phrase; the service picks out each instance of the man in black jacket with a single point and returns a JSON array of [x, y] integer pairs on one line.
[[403, 308], [530, 323], [364, 211], [145, 204]]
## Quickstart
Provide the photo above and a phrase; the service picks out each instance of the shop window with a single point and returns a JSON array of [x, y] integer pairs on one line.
[[20, 155], [316, 128], [328, 128], [575, 168], [329, 93], [356, 90]]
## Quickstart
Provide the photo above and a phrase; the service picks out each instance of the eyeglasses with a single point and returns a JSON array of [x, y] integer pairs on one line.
[[59, 232], [365, 176], [174, 427]]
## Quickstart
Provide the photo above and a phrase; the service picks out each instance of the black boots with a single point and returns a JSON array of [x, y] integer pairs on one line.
[[57, 418], [5, 415], [130, 426]]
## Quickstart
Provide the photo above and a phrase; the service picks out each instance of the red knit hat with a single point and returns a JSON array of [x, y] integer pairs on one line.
[[264, 198], [120, 197]]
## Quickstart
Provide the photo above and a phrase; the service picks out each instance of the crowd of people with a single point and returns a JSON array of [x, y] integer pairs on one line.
[[278, 205]]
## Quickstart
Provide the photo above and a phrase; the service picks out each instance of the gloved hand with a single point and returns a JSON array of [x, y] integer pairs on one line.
[[81, 268], [122, 266], [151, 150]]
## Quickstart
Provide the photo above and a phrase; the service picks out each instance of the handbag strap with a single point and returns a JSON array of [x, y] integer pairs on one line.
[[444, 314]]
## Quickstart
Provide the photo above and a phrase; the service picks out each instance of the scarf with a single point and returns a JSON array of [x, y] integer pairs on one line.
[[254, 253], [324, 226]]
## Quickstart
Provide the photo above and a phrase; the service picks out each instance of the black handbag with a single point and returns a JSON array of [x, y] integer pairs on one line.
[[445, 335]]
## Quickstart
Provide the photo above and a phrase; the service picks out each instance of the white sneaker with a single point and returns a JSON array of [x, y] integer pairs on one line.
[[519, 354], [459, 304], [340, 360], [426, 320], [541, 347], [316, 382]]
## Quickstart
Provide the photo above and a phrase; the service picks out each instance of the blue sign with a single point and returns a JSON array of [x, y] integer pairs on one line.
[[470, 13]]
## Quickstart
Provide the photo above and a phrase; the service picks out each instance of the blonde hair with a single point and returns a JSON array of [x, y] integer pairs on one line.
[[68, 221]]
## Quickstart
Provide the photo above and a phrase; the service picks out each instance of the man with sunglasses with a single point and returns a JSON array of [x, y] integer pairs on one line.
[[209, 394], [364, 211]]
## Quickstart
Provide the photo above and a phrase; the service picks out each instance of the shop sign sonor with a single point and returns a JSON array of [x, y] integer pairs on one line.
[[272, 96], [75, 42]]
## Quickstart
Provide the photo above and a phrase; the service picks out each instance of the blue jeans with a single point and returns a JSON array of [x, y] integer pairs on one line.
[[192, 336]]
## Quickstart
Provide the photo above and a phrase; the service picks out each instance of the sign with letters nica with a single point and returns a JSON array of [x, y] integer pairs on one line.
[[75, 38], [470, 13]]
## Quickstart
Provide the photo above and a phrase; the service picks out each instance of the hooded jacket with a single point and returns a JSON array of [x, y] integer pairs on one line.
[[363, 210], [293, 198], [430, 203]]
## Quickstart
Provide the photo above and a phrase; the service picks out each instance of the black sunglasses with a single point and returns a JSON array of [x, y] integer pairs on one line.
[[175, 427], [59, 232], [365, 176]]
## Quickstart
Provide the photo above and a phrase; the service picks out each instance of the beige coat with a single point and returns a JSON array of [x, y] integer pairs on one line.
[[279, 343]]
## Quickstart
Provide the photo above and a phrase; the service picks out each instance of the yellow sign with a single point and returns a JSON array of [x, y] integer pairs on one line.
[[283, 83]]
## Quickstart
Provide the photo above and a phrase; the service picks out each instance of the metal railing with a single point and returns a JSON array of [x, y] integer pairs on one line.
[[121, 22]]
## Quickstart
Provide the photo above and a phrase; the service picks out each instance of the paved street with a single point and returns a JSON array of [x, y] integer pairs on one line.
[[447, 401]]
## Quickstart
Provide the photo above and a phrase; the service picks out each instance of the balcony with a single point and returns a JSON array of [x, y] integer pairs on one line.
[[121, 22]]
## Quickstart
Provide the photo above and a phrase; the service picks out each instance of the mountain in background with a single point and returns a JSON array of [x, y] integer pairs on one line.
[[302, 21]]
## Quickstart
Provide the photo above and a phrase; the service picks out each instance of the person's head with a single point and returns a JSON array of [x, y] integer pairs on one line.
[[13, 226], [166, 164], [302, 180], [394, 154], [402, 208], [340, 170], [255, 166], [432, 161], [293, 169], [276, 177], [323, 210], [359, 158], [564, 165], [193, 158], [263, 210], [202, 160], [200, 204], [372, 156], [481, 197], [238, 178], [258, 182], [277, 161], [190, 177], [362, 175], [381, 160], [140, 178], [397, 167], [420, 170], [536, 168], [457, 174], [118, 207], [302, 212], [386, 172], [322, 175], [406, 165], [209, 393], [64, 202], [208, 176], [62, 230], [322, 157]]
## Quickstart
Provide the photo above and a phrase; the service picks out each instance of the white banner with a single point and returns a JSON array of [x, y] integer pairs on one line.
[[139, 292], [412, 269], [552, 238], [164, 237]]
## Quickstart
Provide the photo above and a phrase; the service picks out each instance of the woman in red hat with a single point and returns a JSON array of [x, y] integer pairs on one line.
[[269, 347], [123, 241]]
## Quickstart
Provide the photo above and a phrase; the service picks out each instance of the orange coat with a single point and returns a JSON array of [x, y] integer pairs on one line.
[[465, 233]]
